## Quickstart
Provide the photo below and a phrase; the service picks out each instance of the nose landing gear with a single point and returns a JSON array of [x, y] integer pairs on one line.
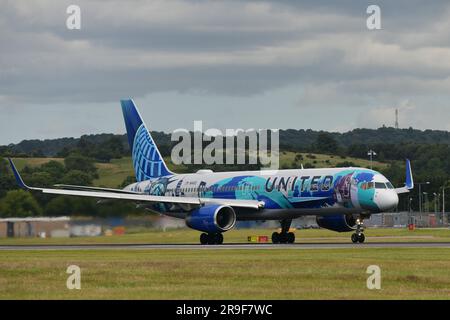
[[358, 236]]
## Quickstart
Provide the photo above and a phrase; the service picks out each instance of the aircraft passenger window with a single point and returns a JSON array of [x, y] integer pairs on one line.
[[380, 185]]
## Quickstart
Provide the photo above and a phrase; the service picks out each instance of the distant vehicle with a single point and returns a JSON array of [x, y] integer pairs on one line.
[[212, 202]]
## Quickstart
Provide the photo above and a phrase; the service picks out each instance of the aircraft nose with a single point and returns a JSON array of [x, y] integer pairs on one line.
[[388, 200]]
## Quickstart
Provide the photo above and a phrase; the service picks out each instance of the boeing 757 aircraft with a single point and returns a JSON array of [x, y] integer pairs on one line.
[[212, 202]]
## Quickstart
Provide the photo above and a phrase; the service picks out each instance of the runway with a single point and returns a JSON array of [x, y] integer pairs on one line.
[[233, 246]]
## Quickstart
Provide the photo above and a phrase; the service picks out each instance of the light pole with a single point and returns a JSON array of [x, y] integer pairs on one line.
[[427, 208], [443, 203], [420, 193], [435, 202], [371, 154], [410, 218]]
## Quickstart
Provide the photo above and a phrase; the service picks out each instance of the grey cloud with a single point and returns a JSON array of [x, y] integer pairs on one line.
[[320, 49]]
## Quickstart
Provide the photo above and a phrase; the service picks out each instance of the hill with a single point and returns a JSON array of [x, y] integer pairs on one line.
[[291, 139]]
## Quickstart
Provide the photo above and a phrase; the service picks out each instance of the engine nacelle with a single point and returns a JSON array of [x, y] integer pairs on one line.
[[212, 218], [339, 222]]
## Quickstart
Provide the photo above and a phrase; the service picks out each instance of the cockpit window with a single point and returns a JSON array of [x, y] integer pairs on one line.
[[389, 185], [380, 185]]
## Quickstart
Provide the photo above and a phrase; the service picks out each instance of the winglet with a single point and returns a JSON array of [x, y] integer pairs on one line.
[[17, 175], [409, 183]]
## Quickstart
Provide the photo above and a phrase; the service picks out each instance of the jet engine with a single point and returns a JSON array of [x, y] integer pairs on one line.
[[338, 223], [212, 218]]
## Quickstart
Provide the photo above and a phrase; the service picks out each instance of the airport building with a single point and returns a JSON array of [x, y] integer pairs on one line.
[[35, 227]]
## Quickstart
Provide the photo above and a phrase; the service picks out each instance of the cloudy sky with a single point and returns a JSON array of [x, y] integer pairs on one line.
[[233, 64]]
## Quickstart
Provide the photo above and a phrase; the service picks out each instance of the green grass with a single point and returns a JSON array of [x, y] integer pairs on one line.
[[240, 236], [114, 173], [20, 163], [323, 161], [407, 273], [226, 274]]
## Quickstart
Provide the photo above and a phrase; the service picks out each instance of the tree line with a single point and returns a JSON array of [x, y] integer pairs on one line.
[[430, 160]]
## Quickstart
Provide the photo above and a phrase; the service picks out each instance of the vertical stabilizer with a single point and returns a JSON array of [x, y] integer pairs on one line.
[[147, 161]]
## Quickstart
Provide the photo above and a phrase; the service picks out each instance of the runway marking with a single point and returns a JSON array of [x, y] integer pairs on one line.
[[238, 246]]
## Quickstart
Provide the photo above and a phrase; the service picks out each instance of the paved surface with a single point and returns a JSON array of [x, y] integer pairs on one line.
[[239, 246]]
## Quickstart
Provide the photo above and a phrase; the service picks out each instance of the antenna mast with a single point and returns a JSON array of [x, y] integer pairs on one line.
[[396, 118]]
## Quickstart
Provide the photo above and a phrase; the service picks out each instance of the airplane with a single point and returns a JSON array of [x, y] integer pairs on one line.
[[212, 202]]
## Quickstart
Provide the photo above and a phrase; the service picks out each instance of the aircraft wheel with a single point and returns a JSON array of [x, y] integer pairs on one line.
[[211, 238], [361, 238], [290, 237], [275, 237], [355, 238], [203, 238], [219, 238], [283, 238]]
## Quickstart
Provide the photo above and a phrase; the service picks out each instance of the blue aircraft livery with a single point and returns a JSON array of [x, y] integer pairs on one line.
[[212, 202]]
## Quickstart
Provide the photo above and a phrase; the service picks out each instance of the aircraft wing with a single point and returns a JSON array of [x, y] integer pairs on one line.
[[107, 193], [83, 188]]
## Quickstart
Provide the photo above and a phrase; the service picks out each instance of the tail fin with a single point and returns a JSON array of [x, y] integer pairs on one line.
[[147, 161]]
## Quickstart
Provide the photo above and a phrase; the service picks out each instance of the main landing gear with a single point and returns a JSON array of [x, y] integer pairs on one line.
[[211, 238], [358, 236], [284, 236]]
